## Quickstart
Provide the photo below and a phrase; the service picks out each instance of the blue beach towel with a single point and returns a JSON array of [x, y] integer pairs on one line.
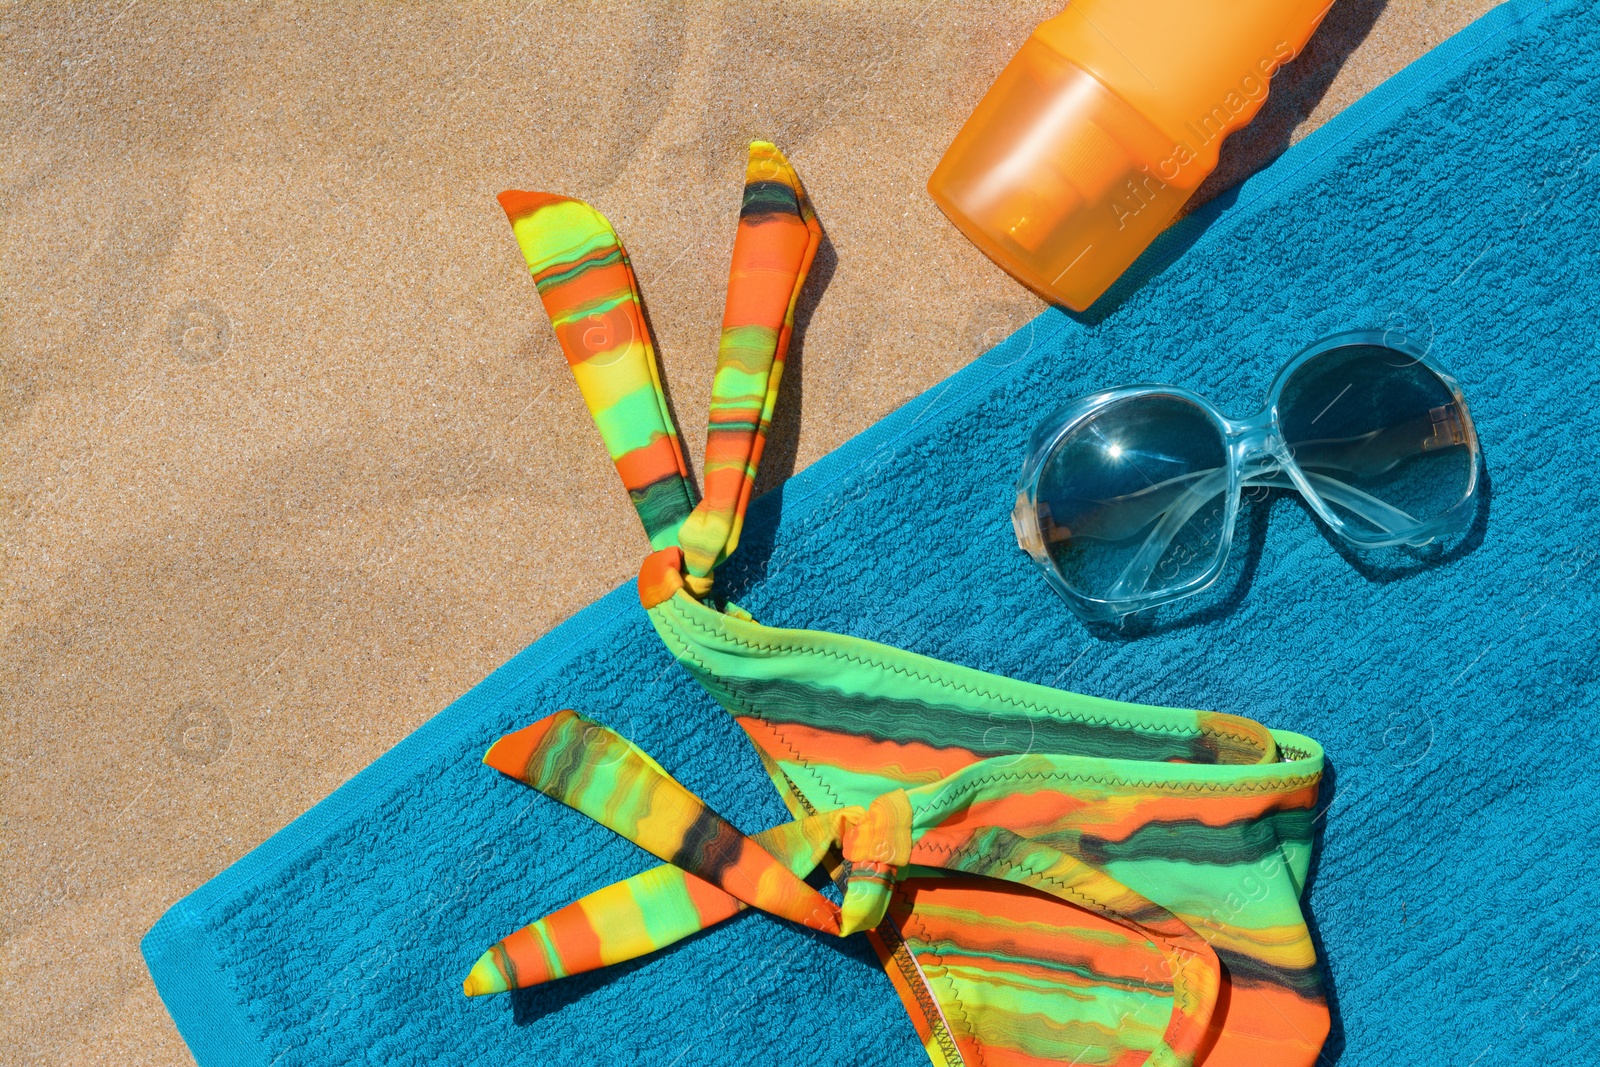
[[1455, 690]]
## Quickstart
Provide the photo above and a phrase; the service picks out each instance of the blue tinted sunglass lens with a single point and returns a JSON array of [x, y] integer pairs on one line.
[[1133, 500], [1380, 437]]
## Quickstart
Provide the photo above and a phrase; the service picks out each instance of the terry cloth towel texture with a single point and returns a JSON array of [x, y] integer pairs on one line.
[[1455, 690]]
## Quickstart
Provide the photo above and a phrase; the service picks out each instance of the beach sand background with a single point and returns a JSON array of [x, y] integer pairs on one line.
[[289, 458]]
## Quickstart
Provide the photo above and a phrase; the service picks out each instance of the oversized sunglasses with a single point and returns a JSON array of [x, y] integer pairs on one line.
[[1128, 497]]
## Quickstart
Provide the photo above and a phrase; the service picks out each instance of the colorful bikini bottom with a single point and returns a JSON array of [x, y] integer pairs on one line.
[[1048, 877]]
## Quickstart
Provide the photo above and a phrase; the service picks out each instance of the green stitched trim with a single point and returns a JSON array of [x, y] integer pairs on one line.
[[1175, 730]]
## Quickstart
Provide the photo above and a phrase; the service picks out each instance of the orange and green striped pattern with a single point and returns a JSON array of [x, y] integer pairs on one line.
[[772, 252], [592, 297], [1047, 877]]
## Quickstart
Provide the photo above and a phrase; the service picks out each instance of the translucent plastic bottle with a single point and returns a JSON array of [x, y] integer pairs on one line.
[[1104, 123]]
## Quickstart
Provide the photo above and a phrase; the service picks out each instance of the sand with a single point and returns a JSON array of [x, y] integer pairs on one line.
[[289, 457]]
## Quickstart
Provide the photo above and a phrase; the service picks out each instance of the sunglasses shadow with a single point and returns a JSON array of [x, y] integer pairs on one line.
[[1379, 566], [1384, 565]]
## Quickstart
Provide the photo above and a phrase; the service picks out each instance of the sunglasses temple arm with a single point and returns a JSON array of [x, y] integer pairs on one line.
[[1385, 517], [1364, 505], [1177, 516]]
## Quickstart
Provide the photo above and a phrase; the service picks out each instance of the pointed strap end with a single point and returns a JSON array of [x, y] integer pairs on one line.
[[512, 753]]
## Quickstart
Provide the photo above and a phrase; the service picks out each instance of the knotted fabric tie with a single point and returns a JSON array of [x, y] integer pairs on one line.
[[602, 774], [713, 871]]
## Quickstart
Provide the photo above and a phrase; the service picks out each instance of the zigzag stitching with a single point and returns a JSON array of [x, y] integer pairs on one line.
[[1169, 731]]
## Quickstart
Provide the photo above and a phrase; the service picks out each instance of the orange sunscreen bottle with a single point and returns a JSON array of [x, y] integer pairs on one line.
[[1104, 123]]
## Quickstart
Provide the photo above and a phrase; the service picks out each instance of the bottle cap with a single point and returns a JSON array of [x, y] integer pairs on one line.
[[1059, 180]]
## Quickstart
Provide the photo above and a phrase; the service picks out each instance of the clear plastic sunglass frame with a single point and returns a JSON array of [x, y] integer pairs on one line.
[[1256, 456]]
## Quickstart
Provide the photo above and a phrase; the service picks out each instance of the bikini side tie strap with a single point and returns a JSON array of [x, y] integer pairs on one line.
[[589, 290]]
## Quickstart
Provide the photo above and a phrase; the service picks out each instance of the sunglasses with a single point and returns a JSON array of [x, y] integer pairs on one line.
[[1128, 497]]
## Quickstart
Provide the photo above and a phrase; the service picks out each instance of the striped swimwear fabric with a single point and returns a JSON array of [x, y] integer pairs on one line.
[[1047, 877]]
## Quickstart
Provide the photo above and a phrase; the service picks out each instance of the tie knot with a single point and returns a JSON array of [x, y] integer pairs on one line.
[[876, 844]]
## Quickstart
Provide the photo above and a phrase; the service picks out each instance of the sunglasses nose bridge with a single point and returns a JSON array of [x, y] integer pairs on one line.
[[1257, 448]]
